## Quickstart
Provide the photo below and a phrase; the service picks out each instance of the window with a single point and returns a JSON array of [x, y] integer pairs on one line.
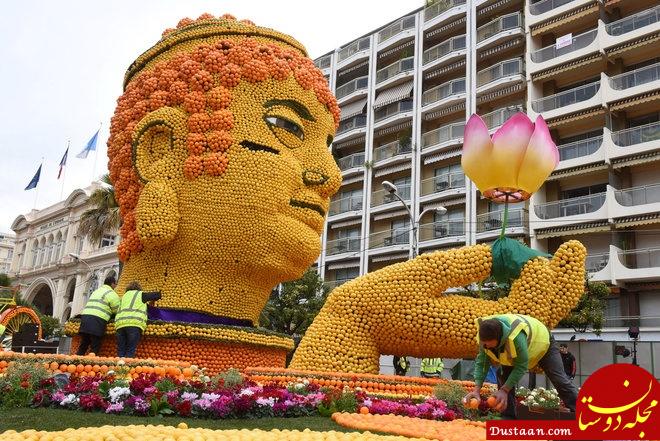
[[450, 176], [345, 274], [452, 223], [10, 254], [584, 191], [400, 231], [108, 240], [81, 240], [403, 187], [350, 200], [348, 240]]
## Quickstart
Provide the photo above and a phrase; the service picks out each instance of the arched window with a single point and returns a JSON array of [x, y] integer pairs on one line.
[[42, 251], [35, 252], [58, 247], [49, 249]]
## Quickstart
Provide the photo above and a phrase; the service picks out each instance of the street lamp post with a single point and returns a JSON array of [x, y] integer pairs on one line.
[[77, 258], [391, 188]]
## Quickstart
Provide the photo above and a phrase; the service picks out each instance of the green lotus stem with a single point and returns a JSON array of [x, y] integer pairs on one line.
[[506, 215]]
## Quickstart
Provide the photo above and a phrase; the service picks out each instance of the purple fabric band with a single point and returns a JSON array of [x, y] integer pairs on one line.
[[173, 315]]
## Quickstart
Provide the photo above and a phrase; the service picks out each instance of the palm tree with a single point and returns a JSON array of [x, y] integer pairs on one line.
[[104, 214]]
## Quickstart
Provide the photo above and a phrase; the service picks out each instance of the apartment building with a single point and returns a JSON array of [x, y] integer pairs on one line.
[[6, 251], [57, 283], [590, 67]]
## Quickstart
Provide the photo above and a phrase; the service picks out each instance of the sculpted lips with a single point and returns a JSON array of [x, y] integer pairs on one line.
[[303, 204]]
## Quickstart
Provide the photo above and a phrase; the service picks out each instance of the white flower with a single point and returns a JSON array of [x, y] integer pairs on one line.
[[110, 372], [121, 362], [246, 392], [69, 399], [205, 379], [306, 382], [270, 401], [523, 403], [117, 393], [193, 367], [541, 399]]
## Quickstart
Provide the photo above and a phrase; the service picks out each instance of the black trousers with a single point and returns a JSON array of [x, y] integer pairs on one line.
[[87, 340], [553, 368], [127, 341]]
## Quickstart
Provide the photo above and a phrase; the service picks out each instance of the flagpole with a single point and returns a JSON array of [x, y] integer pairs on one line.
[[68, 144], [36, 194]]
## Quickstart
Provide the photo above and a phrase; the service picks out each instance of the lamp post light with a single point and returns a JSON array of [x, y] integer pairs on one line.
[[78, 259], [393, 190]]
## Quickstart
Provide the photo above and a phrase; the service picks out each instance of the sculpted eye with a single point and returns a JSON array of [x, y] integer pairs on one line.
[[289, 126]]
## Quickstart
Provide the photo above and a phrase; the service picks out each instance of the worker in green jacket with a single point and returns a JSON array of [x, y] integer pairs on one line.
[[3, 328], [131, 319], [518, 343], [100, 308], [431, 367]]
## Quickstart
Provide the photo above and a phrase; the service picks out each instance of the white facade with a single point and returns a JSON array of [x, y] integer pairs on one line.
[[6, 251], [406, 89], [55, 282]]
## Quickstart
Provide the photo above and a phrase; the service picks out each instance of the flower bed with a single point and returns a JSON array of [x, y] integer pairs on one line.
[[385, 385], [182, 432]]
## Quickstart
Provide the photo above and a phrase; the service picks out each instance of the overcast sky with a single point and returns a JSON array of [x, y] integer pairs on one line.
[[62, 64]]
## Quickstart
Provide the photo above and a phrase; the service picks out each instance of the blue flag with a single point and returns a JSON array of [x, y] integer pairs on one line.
[[91, 145], [33, 183], [63, 162]]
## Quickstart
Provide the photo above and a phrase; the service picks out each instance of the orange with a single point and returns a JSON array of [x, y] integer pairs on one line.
[[364, 410], [491, 401]]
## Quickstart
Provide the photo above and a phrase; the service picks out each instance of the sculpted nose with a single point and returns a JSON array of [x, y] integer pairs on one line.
[[323, 181], [314, 177]]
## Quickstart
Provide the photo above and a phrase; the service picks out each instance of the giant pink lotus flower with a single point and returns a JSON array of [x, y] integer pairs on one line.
[[514, 163]]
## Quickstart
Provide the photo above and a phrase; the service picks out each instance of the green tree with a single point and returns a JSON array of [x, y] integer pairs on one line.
[[104, 214], [5, 280], [590, 310], [291, 310]]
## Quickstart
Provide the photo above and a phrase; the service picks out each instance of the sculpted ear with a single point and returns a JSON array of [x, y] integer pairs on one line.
[[158, 152]]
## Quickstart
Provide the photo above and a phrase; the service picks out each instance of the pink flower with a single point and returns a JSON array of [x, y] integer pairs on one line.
[[519, 157]]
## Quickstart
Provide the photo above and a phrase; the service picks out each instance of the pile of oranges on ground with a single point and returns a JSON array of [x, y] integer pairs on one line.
[[383, 385], [92, 365]]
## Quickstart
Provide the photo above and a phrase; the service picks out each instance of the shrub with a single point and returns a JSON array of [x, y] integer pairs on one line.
[[20, 382]]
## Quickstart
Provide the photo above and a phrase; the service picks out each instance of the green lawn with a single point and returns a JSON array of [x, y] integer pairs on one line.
[[60, 419]]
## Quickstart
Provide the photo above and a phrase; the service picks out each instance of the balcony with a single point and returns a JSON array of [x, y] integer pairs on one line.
[[442, 232], [636, 201], [585, 151], [495, 119], [500, 29], [636, 140], [443, 183], [500, 75], [393, 112], [324, 62], [550, 56], [345, 205], [444, 52], [578, 206], [598, 267], [351, 126], [392, 150], [568, 101], [384, 197], [490, 224], [400, 69], [332, 284], [544, 6], [352, 89], [544, 10], [444, 136], [353, 52], [343, 245], [397, 236], [441, 11], [631, 28], [443, 95], [398, 30], [636, 82], [354, 161], [620, 266]]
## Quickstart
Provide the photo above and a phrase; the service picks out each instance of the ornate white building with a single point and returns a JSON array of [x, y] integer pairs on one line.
[[6, 251], [43, 262]]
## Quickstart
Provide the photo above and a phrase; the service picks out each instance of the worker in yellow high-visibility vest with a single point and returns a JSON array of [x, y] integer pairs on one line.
[[100, 308], [131, 319], [3, 328]]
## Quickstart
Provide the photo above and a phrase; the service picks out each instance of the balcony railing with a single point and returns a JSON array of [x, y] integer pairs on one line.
[[382, 197], [404, 65], [596, 262], [636, 77], [637, 135], [353, 48], [571, 206], [351, 161], [443, 134], [393, 109], [390, 150], [441, 229], [397, 236], [493, 220], [497, 117], [323, 63], [332, 284], [354, 122], [578, 149], [343, 245], [444, 90], [396, 28], [641, 258], [454, 44], [352, 86], [578, 42], [645, 194], [506, 22], [351, 203], [445, 181], [634, 22], [566, 98], [500, 70], [546, 5], [439, 7]]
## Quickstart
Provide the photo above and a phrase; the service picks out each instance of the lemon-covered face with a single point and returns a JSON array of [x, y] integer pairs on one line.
[[268, 208]]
